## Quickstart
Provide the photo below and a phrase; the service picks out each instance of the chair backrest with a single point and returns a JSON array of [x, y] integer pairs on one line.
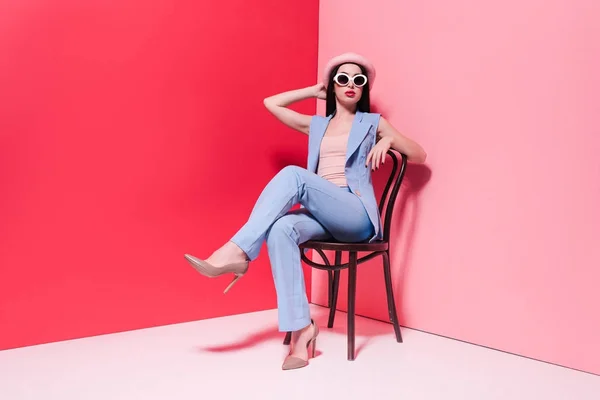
[[389, 196]]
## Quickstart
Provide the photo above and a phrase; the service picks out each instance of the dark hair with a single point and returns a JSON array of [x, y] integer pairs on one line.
[[363, 105]]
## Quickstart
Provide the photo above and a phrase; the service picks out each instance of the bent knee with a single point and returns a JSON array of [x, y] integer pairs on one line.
[[283, 227], [291, 171]]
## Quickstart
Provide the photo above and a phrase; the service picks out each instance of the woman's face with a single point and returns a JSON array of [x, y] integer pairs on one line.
[[349, 92]]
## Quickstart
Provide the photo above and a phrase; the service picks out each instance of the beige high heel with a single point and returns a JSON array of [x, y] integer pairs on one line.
[[206, 269], [292, 362]]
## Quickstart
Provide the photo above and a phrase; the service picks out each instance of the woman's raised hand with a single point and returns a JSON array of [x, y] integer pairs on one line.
[[320, 91]]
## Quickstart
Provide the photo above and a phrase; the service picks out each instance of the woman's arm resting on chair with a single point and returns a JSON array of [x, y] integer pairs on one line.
[[401, 143]]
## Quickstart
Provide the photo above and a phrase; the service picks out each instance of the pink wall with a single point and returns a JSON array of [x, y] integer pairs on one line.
[[498, 241], [122, 129]]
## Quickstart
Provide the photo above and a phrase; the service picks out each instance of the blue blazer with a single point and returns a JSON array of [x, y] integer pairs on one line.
[[362, 138]]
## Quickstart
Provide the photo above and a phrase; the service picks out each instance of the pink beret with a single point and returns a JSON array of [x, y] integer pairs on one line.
[[349, 58]]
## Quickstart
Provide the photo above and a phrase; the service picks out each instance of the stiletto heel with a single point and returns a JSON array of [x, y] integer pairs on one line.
[[235, 279], [206, 269], [292, 362]]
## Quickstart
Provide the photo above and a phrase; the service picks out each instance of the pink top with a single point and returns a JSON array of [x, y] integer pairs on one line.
[[332, 159]]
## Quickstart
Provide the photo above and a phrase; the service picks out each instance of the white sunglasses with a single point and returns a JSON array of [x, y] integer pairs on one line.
[[343, 79]]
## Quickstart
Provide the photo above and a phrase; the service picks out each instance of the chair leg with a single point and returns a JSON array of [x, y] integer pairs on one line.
[[390, 296], [334, 297], [288, 338], [351, 304], [329, 288], [334, 288]]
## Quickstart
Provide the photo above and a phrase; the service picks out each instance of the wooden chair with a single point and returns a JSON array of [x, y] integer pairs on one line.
[[378, 248]]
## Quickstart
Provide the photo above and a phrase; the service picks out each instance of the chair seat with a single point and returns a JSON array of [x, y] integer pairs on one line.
[[379, 245]]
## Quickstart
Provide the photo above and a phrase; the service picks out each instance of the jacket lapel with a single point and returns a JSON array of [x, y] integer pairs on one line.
[[314, 141], [358, 132]]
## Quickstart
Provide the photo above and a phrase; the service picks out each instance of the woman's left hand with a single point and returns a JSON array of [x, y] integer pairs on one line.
[[379, 152]]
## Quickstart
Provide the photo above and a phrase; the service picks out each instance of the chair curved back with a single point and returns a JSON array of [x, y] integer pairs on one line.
[[390, 193]]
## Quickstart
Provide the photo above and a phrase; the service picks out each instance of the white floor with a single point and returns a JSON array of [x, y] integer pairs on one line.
[[240, 357]]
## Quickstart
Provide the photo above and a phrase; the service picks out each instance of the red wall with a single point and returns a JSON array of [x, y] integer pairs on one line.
[[129, 135], [496, 239]]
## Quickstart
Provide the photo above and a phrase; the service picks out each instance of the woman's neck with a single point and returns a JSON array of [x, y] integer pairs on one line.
[[343, 113]]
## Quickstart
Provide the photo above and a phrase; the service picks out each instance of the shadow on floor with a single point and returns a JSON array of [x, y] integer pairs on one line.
[[366, 330]]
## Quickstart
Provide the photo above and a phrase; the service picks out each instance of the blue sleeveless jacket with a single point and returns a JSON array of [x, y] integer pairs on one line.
[[360, 142]]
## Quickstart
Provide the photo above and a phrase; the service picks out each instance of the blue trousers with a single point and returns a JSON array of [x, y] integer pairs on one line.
[[329, 211]]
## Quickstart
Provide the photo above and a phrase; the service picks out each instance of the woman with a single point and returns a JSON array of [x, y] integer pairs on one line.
[[335, 191]]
